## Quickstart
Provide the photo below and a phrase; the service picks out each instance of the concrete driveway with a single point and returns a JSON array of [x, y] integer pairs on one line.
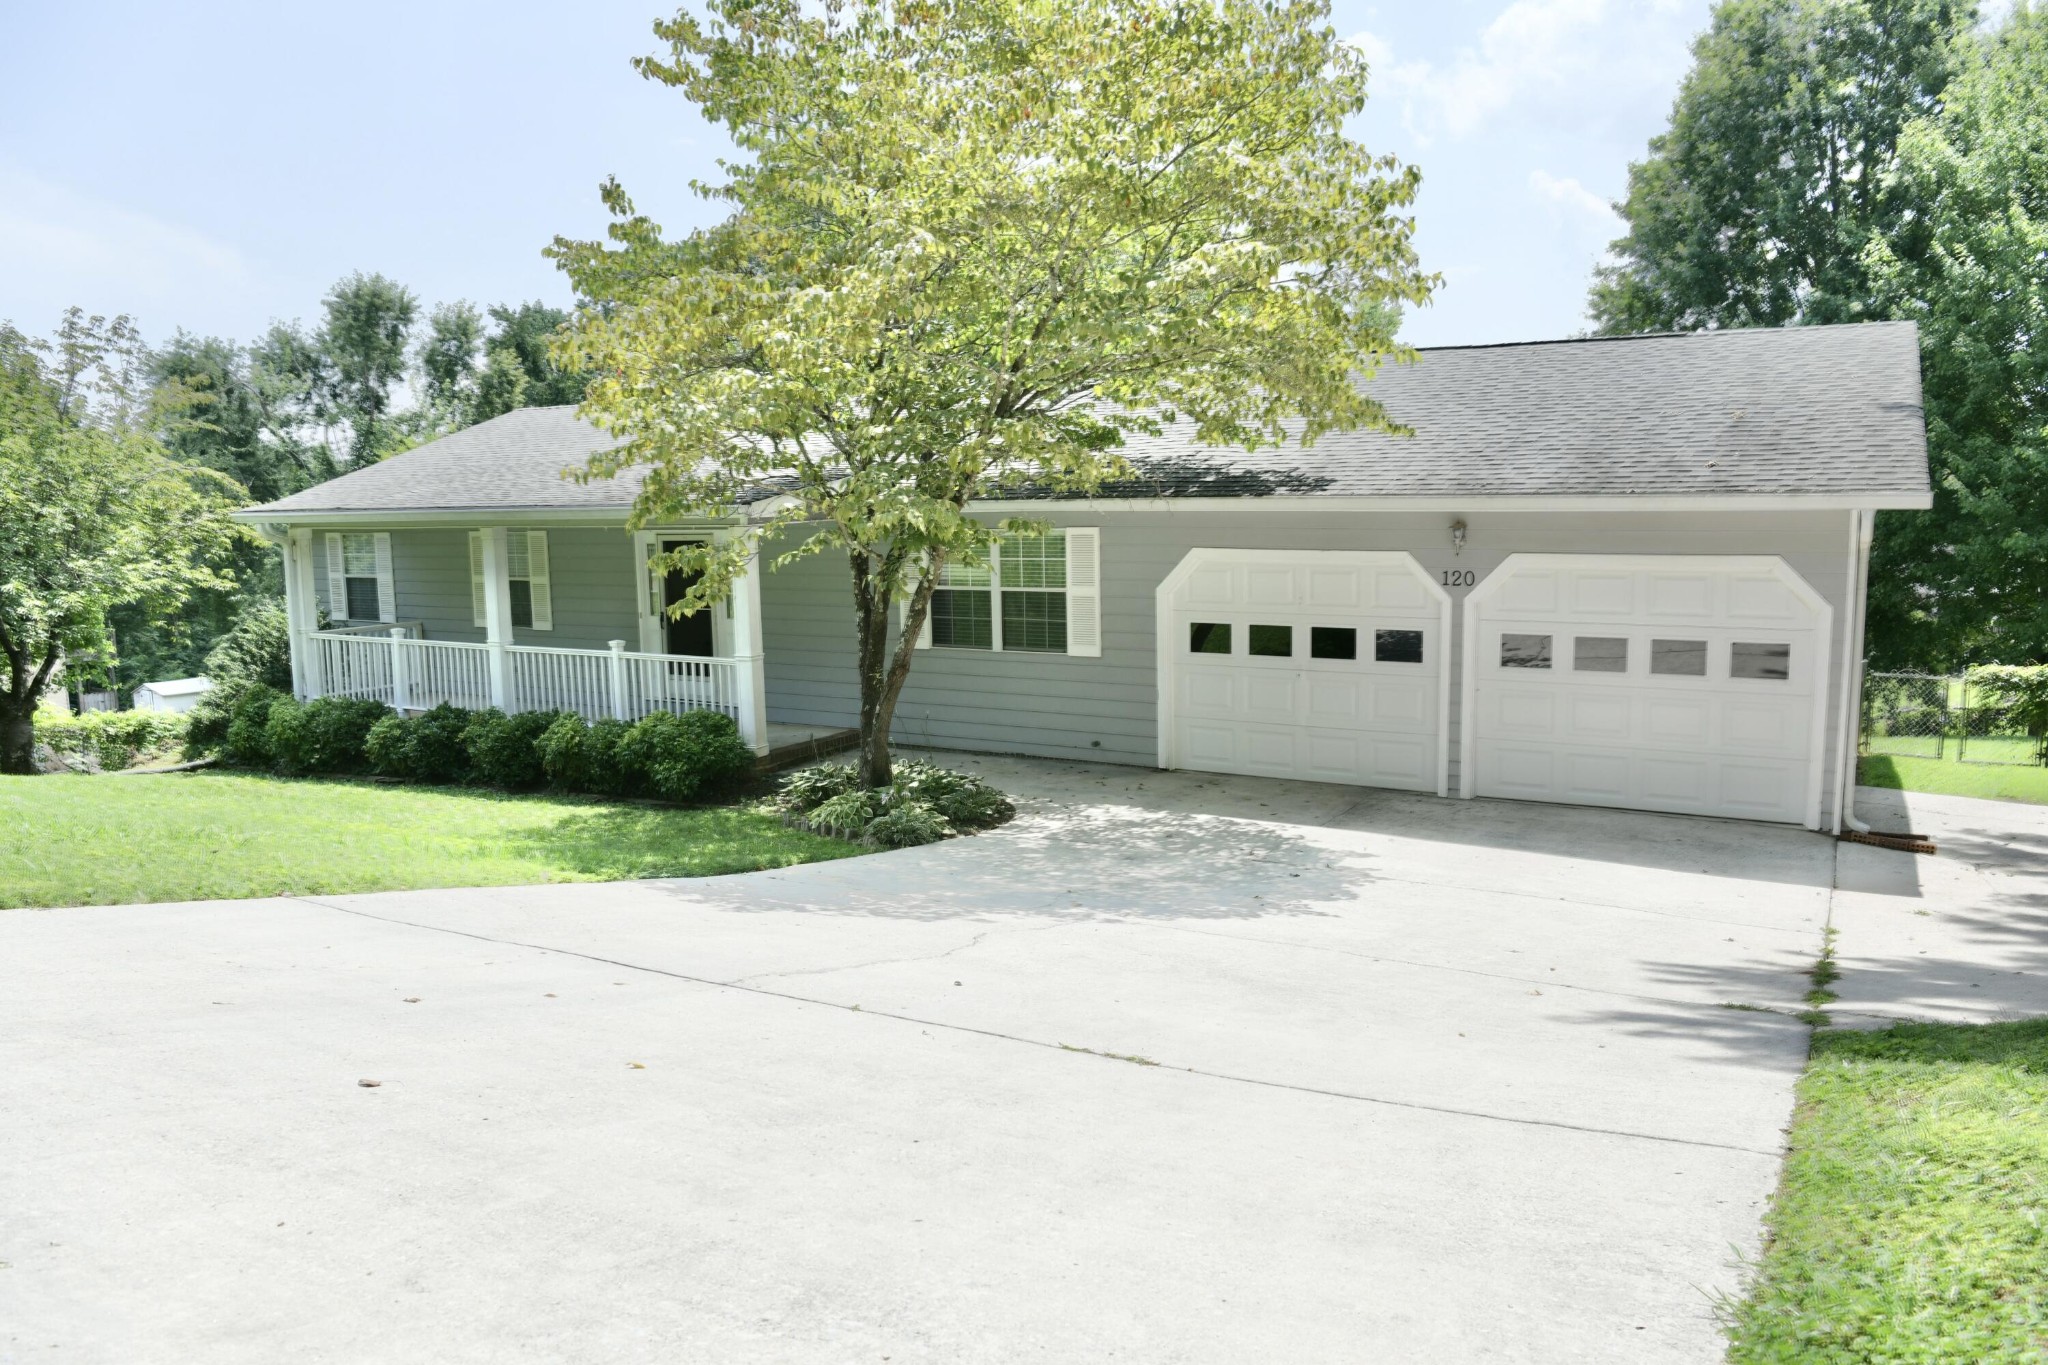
[[1175, 1068]]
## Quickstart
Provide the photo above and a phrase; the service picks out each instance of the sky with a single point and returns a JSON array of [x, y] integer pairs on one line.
[[215, 166]]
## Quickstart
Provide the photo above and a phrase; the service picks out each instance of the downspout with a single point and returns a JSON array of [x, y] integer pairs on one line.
[[1862, 524]]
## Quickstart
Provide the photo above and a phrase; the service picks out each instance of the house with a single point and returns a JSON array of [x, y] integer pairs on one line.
[[1618, 572], [176, 694]]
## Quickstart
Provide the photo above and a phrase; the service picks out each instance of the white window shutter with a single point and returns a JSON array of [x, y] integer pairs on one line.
[[476, 579], [924, 632], [1084, 591], [537, 580], [387, 597], [337, 580]]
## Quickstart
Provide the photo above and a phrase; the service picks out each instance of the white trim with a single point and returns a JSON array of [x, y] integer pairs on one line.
[[1084, 585], [1475, 600], [387, 593], [1485, 502], [1310, 502], [1861, 525], [647, 611], [476, 579], [337, 579], [539, 587], [1165, 641]]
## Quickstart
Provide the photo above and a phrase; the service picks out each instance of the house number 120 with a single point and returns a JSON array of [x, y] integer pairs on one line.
[[1459, 578]]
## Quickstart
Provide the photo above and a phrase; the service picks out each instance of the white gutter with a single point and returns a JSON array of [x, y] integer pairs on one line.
[[1861, 525], [1361, 502]]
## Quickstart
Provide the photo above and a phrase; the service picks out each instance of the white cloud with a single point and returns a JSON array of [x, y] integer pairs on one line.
[[1575, 201], [1573, 55], [64, 247]]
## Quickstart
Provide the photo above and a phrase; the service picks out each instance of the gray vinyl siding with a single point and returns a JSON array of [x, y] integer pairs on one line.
[[1056, 706], [591, 585]]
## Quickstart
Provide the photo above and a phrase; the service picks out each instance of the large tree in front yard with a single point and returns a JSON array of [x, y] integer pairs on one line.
[[93, 512], [971, 245]]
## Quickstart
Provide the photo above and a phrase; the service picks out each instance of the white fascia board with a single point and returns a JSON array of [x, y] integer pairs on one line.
[[1620, 502], [439, 517]]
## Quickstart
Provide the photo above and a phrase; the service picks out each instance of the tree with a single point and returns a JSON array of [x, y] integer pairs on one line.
[[93, 511], [455, 333], [363, 342], [1756, 207], [525, 334], [1968, 581], [972, 245]]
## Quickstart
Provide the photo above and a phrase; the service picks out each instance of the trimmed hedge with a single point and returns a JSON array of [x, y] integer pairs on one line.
[[330, 735], [504, 751], [677, 758], [423, 748], [681, 757]]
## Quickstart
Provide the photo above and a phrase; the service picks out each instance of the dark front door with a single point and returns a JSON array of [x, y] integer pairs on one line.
[[683, 634]]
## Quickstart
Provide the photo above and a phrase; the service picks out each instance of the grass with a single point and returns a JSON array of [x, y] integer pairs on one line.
[[78, 840], [1994, 781], [1911, 1223]]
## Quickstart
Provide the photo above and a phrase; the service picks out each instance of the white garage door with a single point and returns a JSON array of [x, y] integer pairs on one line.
[[1674, 683], [1323, 665]]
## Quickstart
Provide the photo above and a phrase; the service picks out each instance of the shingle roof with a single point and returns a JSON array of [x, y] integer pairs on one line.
[[1778, 411]]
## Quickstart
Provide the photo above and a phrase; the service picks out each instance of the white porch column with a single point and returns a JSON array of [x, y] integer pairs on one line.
[[749, 655], [498, 612], [302, 613]]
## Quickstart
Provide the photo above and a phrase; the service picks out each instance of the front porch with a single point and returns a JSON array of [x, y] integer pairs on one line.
[[403, 661]]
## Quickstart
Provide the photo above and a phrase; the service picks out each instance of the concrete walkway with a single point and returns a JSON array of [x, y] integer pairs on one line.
[[1959, 938], [1174, 1069]]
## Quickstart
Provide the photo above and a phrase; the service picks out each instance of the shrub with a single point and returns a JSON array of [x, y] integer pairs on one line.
[[504, 751], [849, 814], [112, 738], [962, 798], [907, 824], [422, 748], [245, 739], [808, 788], [681, 757], [923, 804], [256, 652], [325, 736], [580, 757]]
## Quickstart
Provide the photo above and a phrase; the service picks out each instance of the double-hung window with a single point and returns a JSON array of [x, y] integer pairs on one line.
[[1037, 594], [359, 576], [526, 566]]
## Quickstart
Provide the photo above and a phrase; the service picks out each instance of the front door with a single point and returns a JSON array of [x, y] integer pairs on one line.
[[683, 634]]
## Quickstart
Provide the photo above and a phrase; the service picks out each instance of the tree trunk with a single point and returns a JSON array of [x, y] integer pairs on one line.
[[17, 735], [882, 671], [18, 707]]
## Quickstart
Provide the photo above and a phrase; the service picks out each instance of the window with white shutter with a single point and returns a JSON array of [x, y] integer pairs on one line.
[[526, 564], [1038, 594], [359, 579]]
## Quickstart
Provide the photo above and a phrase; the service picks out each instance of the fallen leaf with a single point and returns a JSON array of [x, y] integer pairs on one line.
[[412, 1000], [369, 1085], [637, 1066]]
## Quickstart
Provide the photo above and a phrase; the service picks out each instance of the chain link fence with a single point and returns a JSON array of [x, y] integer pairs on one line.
[[1930, 715]]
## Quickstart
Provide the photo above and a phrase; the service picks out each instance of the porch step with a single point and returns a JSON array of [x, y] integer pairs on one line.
[[789, 745]]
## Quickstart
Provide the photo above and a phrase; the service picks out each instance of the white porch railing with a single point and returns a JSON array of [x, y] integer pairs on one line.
[[412, 674]]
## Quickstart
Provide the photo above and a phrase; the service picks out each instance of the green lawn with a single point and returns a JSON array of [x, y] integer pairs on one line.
[[1911, 1224], [1997, 781], [79, 840]]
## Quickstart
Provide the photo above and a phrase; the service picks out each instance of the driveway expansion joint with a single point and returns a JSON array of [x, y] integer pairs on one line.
[[1055, 1046]]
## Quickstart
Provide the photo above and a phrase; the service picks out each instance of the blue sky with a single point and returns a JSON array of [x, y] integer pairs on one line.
[[217, 165]]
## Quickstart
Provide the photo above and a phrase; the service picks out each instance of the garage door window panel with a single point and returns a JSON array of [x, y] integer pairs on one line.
[[1524, 651], [1332, 642], [1270, 642], [1397, 646], [1762, 662], [1600, 654], [1678, 658], [1209, 637]]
